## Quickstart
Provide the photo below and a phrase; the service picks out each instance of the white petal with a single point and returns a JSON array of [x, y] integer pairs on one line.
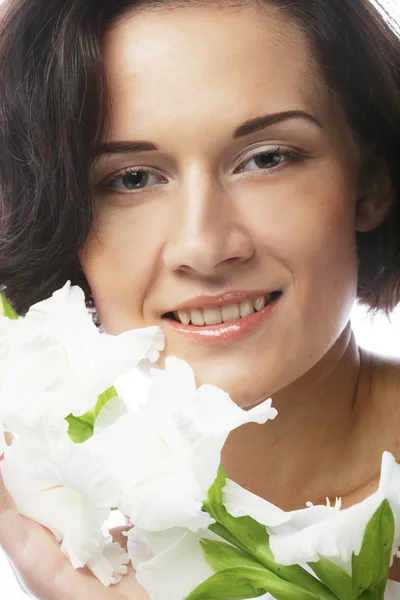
[[179, 374], [174, 572], [300, 536], [178, 435], [339, 536], [109, 563], [109, 414], [134, 386], [179, 505], [72, 498], [215, 412], [145, 545], [239, 502], [55, 361], [392, 591], [335, 538]]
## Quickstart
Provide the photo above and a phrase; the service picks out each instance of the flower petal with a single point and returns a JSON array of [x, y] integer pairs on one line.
[[110, 413], [239, 502], [72, 497], [301, 536], [176, 569], [109, 564], [392, 591]]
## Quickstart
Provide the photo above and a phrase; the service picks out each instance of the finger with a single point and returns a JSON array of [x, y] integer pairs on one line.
[[13, 531], [117, 534]]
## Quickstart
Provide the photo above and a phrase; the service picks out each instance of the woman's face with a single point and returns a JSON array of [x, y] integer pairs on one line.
[[211, 213]]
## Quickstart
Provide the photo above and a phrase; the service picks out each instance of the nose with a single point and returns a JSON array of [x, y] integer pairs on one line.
[[207, 232]]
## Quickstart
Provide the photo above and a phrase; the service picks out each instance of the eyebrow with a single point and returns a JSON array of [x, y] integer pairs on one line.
[[250, 126], [265, 121]]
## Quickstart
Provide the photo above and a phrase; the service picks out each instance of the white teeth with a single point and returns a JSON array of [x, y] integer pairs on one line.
[[230, 313], [246, 308], [224, 314], [183, 316], [196, 316], [212, 316], [259, 303]]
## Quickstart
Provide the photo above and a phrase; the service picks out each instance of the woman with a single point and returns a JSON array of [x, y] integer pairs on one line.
[[227, 171]]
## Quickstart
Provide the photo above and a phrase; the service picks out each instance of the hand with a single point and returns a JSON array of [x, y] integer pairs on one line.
[[44, 571]]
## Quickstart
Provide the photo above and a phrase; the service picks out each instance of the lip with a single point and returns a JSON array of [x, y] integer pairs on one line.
[[224, 333], [232, 297]]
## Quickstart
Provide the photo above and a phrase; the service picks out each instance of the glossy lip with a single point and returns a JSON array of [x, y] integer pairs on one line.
[[232, 297], [224, 333]]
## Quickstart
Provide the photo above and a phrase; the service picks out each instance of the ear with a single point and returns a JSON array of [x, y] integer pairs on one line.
[[376, 195]]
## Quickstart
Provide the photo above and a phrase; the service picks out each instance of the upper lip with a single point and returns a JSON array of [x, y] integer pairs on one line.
[[232, 297]]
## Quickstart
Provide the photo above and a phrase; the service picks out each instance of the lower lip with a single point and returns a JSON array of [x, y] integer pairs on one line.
[[224, 333]]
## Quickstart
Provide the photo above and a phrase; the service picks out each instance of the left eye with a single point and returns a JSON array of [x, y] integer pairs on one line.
[[270, 159]]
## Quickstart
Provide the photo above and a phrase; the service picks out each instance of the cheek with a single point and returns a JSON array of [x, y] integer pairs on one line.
[[310, 231], [119, 260]]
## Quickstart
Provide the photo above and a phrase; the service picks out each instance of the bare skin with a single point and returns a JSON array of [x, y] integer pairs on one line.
[[202, 229], [42, 569], [186, 82]]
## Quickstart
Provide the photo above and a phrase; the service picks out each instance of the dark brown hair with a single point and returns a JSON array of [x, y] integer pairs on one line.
[[54, 111]]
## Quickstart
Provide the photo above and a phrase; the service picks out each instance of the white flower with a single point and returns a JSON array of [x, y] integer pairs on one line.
[[300, 536], [171, 448], [110, 413], [72, 498], [392, 591], [109, 563], [55, 361], [169, 564]]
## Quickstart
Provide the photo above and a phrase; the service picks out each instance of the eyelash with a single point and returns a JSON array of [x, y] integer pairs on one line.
[[290, 154]]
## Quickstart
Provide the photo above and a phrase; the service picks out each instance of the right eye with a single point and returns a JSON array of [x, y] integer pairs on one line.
[[131, 180]]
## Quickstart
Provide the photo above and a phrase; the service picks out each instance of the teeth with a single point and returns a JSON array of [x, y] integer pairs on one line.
[[196, 316], [215, 315], [259, 303], [183, 316], [246, 308], [212, 316], [230, 313]]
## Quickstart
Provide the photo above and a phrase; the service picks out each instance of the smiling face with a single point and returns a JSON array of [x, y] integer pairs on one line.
[[211, 213]]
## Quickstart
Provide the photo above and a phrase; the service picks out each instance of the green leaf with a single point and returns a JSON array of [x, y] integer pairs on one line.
[[79, 430], [251, 534], [103, 399], [82, 428], [368, 595], [8, 310], [91, 416], [337, 580], [238, 583], [370, 568], [220, 556], [252, 538]]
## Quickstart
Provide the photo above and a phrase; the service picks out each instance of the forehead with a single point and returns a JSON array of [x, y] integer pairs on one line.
[[215, 63]]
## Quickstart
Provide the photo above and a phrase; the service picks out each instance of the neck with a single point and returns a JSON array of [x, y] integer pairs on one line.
[[312, 450]]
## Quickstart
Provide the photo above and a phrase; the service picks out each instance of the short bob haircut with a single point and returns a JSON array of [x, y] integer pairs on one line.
[[54, 110]]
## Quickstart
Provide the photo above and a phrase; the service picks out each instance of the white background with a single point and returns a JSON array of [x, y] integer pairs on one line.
[[379, 335]]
